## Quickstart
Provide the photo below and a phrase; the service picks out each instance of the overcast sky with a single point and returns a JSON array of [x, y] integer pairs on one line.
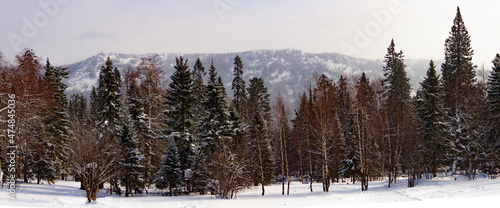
[[68, 31]]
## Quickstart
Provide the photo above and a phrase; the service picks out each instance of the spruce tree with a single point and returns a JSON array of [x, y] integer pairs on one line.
[[458, 80], [130, 161], [58, 123], [215, 132], [433, 127], [492, 142], [109, 100], [94, 106], [170, 174], [198, 90], [238, 87], [77, 108], [364, 107], [260, 146], [215, 125], [141, 132], [396, 83], [398, 109], [350, 165], [179, 100], [458, 75], [109, 111]]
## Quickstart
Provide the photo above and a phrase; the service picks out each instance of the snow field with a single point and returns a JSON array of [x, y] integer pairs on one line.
[[443, 191]]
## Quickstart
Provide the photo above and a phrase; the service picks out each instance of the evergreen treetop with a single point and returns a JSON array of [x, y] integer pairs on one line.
[[238, 87]]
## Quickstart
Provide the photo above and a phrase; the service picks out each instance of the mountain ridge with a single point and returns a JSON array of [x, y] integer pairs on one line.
[[284, 71]]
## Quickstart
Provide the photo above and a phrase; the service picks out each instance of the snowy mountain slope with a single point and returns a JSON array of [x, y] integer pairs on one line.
[[284, 71]]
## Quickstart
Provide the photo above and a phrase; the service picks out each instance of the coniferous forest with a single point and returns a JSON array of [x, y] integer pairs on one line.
[[135, 135]]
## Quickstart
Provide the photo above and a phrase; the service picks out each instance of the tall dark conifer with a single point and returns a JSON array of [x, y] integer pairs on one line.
[[260, 147], [109, 100], [350, 165], [179, 122], [58, 123], [458, 80], [238, 87], [492, 143], [398, 109], [199, 92], [433, 127]]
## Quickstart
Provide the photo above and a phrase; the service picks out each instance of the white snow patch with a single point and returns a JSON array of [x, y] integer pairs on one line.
[[443, 191]]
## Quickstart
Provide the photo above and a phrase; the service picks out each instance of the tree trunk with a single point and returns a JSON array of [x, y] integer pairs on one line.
[[261, 164], [282, 157], [287, 168], [310, 158]]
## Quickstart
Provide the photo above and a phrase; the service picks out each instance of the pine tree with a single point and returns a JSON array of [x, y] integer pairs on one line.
[[179, 121], [260, 146], [238, 87], [433, 127]]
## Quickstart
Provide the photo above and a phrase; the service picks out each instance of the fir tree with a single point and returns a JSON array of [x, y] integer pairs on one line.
[[399, 112], [397, 86], [215, 124], [216, 134], [492, 143], [94, 106], [77, 108], [141, 132], [433, 127], [109, 110], [238, 87], [199, 92], [365, 98], [260, 146], [350, 165], [458, 78], [58, 123], [170, 173], [109, 99], [180, 100], [458, 73], [130, 162]]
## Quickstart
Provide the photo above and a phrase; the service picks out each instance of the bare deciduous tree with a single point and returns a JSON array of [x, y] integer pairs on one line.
[[93, 159]]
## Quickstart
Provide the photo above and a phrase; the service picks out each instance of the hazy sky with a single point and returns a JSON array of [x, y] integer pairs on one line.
[[67, 31]]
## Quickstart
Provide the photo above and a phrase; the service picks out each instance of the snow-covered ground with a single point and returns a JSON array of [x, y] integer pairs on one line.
[[443, 191]]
